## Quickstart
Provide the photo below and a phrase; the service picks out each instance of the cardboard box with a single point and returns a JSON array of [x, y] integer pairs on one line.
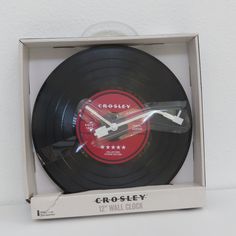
[[181, 54]]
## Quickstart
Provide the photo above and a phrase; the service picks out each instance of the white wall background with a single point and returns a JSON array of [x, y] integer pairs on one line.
[[213, 19]]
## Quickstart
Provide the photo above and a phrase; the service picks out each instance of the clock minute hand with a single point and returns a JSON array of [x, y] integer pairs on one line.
[[144, 115], [104, 131], [176, 119]]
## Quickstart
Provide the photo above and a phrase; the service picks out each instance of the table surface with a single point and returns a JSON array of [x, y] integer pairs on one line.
[[217, 218]]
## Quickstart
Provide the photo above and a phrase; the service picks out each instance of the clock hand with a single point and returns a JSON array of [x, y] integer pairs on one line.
[[175, 119], [103, 131], [92, 111]]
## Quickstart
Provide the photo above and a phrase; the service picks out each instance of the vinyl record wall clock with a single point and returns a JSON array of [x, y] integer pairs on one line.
[[111, 117]]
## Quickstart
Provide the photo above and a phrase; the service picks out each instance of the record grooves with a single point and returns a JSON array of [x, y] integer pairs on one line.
[[116, 77]]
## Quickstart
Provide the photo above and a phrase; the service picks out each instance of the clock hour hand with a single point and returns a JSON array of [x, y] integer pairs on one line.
[[92, 111]]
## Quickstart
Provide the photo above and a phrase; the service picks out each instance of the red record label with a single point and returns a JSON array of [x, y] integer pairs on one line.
[[117, 150]]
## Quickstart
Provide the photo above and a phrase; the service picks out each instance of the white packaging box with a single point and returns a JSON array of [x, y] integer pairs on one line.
[[181, 54]]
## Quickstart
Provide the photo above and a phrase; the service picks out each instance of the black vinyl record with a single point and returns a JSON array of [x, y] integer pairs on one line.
[[117, 77]]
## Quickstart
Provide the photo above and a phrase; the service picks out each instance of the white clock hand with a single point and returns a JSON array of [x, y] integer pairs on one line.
[[176, 119], [103, 131], [98, 115]]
